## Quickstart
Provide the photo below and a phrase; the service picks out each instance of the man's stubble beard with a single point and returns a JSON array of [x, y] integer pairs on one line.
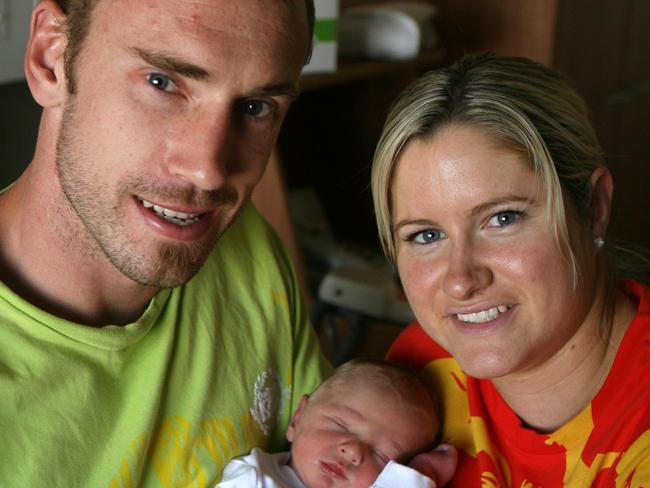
[[161, 265]]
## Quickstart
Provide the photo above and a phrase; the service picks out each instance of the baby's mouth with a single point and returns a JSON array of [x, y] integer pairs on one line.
[[333, 470]]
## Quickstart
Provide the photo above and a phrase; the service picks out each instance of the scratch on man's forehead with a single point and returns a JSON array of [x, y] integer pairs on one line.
[[209, 14]]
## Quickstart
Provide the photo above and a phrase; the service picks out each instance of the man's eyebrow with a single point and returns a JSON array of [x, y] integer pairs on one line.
[[167, 62], [289, 90]]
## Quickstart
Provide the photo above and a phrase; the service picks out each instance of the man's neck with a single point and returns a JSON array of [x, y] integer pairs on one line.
[[48, 257]]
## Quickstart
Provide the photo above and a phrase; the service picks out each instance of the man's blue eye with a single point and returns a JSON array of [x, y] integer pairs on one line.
[[160, 82], [256, 108], [428, 236], [503, 219]]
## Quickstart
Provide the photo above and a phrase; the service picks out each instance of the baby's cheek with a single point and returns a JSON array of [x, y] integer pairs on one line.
[[370, 473]]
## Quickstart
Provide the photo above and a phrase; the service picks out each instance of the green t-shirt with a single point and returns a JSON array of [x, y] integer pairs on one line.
[[209, 371]]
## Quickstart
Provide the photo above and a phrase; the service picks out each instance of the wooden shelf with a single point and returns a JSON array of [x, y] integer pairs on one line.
[[355, 70]]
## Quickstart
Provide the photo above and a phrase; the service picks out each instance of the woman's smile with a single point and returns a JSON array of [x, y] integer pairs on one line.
[[484, 315]]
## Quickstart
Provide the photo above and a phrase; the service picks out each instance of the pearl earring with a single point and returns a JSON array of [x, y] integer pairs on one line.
[[599, 242]]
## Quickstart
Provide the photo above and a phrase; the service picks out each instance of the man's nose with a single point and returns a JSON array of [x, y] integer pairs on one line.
[[466, 272], [201, 150], [353, 452]]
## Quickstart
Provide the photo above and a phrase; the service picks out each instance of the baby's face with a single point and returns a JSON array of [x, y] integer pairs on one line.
[[346, 439]]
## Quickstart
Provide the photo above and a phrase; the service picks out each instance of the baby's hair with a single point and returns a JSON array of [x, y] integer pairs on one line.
[[401, 385]]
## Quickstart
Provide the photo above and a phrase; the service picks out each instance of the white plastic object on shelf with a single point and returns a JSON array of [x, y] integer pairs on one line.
[[390, 31], [365, 291]]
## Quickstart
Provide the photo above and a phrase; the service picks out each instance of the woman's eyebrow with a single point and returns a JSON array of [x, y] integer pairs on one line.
[[418, 222], [507, 199]]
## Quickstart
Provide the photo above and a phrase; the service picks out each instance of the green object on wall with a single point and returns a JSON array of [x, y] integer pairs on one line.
[[326, 30]]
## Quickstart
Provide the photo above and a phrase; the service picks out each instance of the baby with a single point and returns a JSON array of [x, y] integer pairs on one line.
[[358, 429]]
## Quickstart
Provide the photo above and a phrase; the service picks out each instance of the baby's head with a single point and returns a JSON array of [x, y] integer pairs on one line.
[[368, 413]]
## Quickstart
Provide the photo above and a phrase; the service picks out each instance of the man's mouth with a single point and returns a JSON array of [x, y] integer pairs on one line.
[[179, 218], [483, 315]]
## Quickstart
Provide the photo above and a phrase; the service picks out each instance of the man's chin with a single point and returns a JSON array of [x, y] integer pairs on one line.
[[175, 266]]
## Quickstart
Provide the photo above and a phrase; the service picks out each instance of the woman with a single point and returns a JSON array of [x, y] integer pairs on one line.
[[493, 201]]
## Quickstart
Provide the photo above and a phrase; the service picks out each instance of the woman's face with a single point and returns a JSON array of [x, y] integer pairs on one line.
[[477, 255]]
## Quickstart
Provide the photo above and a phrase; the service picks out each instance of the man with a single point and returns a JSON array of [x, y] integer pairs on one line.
[[135, 349]]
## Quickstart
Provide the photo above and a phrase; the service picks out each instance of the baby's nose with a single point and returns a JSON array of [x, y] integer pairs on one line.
[[353, 452]]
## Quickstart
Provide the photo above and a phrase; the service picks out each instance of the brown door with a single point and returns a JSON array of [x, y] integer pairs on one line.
[[604, 47]]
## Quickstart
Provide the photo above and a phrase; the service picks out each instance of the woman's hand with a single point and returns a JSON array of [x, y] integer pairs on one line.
[[439, 464]]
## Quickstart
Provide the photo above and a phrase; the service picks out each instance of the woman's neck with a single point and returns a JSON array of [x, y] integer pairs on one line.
[[548, 396]]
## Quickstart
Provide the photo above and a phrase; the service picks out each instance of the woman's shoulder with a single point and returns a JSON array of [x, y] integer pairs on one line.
[[636, 342], [414, 349], [640, 293]]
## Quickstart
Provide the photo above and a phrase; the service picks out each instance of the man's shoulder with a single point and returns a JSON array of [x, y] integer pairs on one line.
[[248, 272], [248, 221], [249, 241], [249, 233]]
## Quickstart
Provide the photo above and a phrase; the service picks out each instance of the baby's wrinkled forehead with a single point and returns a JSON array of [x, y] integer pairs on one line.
[[367, 385]]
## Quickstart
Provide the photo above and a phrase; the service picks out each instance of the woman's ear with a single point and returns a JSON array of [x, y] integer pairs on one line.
[[602, 189], [44, 60], [291, 430]]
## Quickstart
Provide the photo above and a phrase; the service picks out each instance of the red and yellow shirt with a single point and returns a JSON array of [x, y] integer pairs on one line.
[[606, 445]]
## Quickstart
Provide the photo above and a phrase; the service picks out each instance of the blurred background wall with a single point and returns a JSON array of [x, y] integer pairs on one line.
[[600, 45]]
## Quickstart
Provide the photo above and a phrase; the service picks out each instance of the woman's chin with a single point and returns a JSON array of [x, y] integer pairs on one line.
[[485, 365]]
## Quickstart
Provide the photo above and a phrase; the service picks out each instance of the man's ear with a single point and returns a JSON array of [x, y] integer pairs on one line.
[[602, 187], [291, 430], [44, 61]]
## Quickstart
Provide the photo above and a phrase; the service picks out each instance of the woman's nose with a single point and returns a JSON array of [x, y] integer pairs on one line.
[[352, 452], [466, 272]]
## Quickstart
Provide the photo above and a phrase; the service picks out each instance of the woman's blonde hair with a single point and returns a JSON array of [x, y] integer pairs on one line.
[[526, 105]]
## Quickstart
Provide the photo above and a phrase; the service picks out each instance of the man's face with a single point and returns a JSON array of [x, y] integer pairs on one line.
[[177, 107]]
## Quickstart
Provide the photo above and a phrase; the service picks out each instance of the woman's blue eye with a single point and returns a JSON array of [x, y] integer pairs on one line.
[[428, 236], [503, 219], [160, 82]]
